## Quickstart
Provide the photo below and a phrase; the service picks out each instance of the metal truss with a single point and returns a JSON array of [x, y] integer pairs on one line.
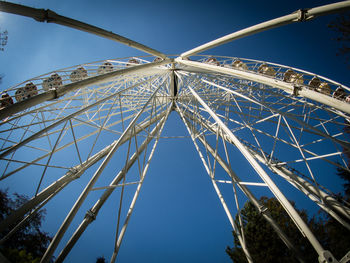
[[255, 125]]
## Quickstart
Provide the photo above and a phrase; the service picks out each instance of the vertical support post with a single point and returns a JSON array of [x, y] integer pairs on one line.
[[331, 205], [222, 200], [92, 213], [235, 179], [132, 205], [74, 173], [57, 238], [324, 256]]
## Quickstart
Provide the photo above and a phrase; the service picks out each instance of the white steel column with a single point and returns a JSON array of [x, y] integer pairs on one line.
[[93, 212], [301, 122], [330, 204], [74, 173], [235, 179], [222, 200], [132, 205], [324, 255], [322, 199], [55, 241]]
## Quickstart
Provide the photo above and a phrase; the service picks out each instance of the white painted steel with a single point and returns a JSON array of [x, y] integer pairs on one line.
[[211, 83], [235, 180], [73, 174], [320, 197], [299, 90], [49, 16], [55, 241], [95, 209], [217, 190], [300, 15], [58, 92], [133, 202], [274, 189], [120, 101], [220, 103]]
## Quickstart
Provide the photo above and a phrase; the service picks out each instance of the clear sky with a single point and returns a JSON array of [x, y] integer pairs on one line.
[[178, 217]]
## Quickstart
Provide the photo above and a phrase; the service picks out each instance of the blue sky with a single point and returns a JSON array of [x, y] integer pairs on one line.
[[178, 217]]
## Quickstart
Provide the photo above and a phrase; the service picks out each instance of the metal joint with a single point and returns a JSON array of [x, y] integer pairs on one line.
[[302, 15], [90, 215], [326, 257], [50, 16], [42, 16], [262, 209], [55, 93], [296, 90], [346, 258], [72, 171]]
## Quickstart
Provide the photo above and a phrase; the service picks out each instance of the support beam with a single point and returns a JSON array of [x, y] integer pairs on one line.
[[98, 205], [324, 255], [328, 203], [321, 198], [74, 173], [222, 200], [137, 192], [285, 114], [55, 124], [57, 238], [29, 216], [49, 16], [235, 179], [289, 88], [298, 16]]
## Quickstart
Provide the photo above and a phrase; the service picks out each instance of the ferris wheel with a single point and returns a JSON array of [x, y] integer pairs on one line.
[[104, 119]]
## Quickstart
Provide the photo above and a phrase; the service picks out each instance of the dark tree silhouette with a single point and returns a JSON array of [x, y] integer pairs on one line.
[[341, 25], [345, 175], [3, 39], [101, 260], [264, 244], [29, 243]]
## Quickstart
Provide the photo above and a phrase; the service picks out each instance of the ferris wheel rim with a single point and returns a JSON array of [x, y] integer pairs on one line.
[[180, 98]]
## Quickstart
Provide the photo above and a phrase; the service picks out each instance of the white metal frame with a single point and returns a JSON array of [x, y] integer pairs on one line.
[[133, 102]]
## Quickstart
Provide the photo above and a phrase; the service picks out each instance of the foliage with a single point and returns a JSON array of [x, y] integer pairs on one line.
[[3, 39], [265, 246], [342, 26], [345, 175], [263, 243], [339, 242], [100, 260], [20, 256], [338, 238], [29, 243]]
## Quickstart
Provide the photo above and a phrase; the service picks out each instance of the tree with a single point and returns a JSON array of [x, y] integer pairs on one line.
[[101, 260], [3, 39], [341, 25], [345, 175], [339, 242], [264, 244], [29, 243]]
